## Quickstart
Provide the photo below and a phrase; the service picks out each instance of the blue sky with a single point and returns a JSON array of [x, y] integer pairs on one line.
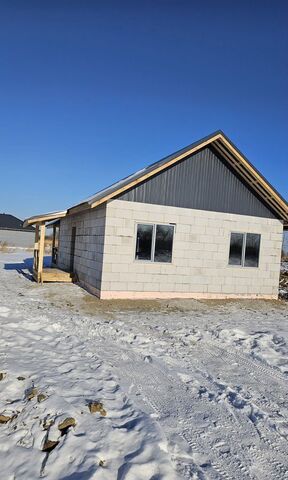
[[91, 91]]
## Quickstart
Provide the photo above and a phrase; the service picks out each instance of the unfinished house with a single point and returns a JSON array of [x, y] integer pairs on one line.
[[200, 223]]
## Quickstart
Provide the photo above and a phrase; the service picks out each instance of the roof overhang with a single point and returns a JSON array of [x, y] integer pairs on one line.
[[53, 223], [45, 217], [252, 176], [223, 146]]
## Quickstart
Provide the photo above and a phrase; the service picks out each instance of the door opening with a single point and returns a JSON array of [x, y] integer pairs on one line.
[[72, 249]]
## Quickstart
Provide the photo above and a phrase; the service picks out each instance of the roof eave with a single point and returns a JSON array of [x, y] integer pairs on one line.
[[252, 177], [197, 146], [226, 148], [81, 207], [44, 217]]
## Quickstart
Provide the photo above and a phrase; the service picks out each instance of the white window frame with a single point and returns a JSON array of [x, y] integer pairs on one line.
[[242, 265], [154, 225]]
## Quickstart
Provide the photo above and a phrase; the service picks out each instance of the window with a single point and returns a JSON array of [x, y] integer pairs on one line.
[[154, 243], [163, 243], [144, 242], [244, 249], [236, 248], [252, 247]]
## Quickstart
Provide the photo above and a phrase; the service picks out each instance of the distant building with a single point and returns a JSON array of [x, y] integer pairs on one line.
[[13, 234], [200, 223]]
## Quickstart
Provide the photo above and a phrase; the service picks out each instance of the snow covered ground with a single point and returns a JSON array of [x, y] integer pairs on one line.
[[189, 389]]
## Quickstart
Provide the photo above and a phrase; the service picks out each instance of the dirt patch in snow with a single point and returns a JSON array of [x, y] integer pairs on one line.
[[91, 305]]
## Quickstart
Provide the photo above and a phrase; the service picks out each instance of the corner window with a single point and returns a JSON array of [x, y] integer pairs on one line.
[[244, 249], [154, 243]]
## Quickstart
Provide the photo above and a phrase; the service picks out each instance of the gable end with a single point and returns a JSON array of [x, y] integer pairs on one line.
[[202, 181]]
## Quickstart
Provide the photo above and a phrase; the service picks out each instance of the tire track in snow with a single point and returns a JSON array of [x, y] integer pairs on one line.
[[272, 468], [152, 378], [278, 446], [148, 378], [149, 385], [274, 471], [254, 383]]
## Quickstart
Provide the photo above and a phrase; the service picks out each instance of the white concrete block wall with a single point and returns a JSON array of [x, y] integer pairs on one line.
[[89, 244], [199, 265]]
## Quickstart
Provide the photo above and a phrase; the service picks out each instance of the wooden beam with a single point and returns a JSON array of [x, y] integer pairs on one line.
[[155, 171], [56, 275], [46, 217], [42, 229], [35, 260], [78, 208], [251, 178], [256, 174]]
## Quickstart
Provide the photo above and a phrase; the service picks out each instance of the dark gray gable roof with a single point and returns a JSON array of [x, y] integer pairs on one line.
[[269, 196], [201, 181], [9, 222], [137, 175]]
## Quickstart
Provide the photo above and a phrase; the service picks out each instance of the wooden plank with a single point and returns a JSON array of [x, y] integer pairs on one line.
[[250, 177], [239, 167], [56, 275], [79, 208], [247, 175], [35, 276], [50, 278], [256, 174], [36, 248], [42, 229], [45, 217]]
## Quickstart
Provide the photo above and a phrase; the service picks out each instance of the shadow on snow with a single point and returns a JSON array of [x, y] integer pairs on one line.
[[25, 268]]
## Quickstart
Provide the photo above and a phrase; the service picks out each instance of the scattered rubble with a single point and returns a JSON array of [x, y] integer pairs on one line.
[[97, 407], [49, 445], [41, 397], [5, 419], [47, 423], [283, 282], [66, 424], [31, 393]]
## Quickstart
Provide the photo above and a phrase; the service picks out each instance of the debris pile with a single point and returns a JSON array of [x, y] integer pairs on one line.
[[283, 283]]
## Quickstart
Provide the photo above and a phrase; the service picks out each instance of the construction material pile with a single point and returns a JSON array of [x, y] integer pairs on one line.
[[283, 283]]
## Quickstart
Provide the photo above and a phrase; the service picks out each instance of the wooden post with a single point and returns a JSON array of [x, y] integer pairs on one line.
[[42, 229], [36, 249]]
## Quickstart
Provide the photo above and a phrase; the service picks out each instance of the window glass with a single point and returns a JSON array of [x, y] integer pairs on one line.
[[252, 250], [236, 247], [163, 243], [144, 242]]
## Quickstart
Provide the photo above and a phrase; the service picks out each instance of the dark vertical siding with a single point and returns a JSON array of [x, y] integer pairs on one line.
[[203, 181]]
